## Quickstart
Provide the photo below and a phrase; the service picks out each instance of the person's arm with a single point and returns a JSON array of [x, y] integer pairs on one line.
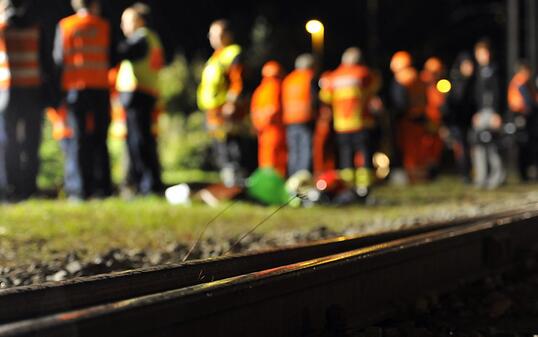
[[55, 88], [399, 99], [527, 98], [496, 92], [235, 76]]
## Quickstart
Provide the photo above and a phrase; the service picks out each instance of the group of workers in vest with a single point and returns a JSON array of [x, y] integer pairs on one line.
[[309, 125], [78, 99]]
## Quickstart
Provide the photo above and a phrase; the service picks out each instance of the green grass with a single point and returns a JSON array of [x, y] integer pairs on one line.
[[45, 229]]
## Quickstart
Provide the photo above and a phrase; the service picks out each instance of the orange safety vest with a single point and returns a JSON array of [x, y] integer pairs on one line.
[[19, 57], [265, 105], [297, 97], [516, 101], [351, 88], [86, 45]]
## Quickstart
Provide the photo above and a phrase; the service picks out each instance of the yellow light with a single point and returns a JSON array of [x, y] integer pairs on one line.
[[444, 86], [314, 27]]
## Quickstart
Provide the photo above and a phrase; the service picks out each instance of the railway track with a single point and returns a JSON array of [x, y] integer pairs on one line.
[[310, 290]]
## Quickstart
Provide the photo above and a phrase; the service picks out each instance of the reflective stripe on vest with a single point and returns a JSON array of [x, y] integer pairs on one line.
[[85, 52], [297, 97], [143, 75], [351, 89], [213, 90], [19, 57]]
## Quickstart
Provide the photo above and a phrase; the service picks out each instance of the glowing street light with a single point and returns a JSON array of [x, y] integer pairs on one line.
[[317, 30], [444, 86]]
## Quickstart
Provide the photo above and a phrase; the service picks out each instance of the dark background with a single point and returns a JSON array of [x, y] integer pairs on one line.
[[425, 28]]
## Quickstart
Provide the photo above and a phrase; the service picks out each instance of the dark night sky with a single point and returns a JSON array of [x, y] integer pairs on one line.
[[426, 28]]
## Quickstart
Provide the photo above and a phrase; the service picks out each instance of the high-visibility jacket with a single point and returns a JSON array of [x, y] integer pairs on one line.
[[516, 101], [85, 43], [214, 89], [297, 97], [350, 90], [143, 75], [265, 105], [19, 57]]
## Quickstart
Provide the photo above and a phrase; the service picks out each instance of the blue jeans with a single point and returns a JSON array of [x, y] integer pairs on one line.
[[299, 140]]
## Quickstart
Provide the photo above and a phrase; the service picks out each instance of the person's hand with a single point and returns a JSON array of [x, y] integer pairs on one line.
[[444, 133], [228, 110]]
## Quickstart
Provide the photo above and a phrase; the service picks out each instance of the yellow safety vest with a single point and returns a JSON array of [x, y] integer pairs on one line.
[[213, 89], [143, 75]]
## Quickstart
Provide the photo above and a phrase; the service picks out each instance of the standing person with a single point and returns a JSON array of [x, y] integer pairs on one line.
[[431, 75], [298, 101], [21, 106], [408, 94], [220, 96], [324, 152], [351, 88], [137, 83], [523, 105], [81, 52], [458, 111], [487, 162], [266, 113]]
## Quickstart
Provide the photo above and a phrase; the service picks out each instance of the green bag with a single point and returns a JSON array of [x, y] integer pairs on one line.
[[268, 187]]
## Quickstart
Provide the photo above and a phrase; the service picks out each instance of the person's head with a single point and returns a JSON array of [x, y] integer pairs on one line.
[[352, 56], [434, 65], [463, 66], [482, 52], [400, 61], [304, 61], [220, 34], [524, 70], [134, 17], [91, 6], [272, 69]]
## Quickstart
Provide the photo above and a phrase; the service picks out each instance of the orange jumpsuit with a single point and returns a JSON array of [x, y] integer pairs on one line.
[[266, 114], [432, 141]]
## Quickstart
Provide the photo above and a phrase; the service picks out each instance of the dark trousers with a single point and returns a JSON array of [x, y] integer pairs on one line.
[[23, 118], [462, 150], [299, 140], [349, 145], [527, 142], [89, 118], [144, 167]]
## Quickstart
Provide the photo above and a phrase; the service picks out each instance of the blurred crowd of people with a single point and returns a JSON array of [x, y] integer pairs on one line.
[[328, 127]]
